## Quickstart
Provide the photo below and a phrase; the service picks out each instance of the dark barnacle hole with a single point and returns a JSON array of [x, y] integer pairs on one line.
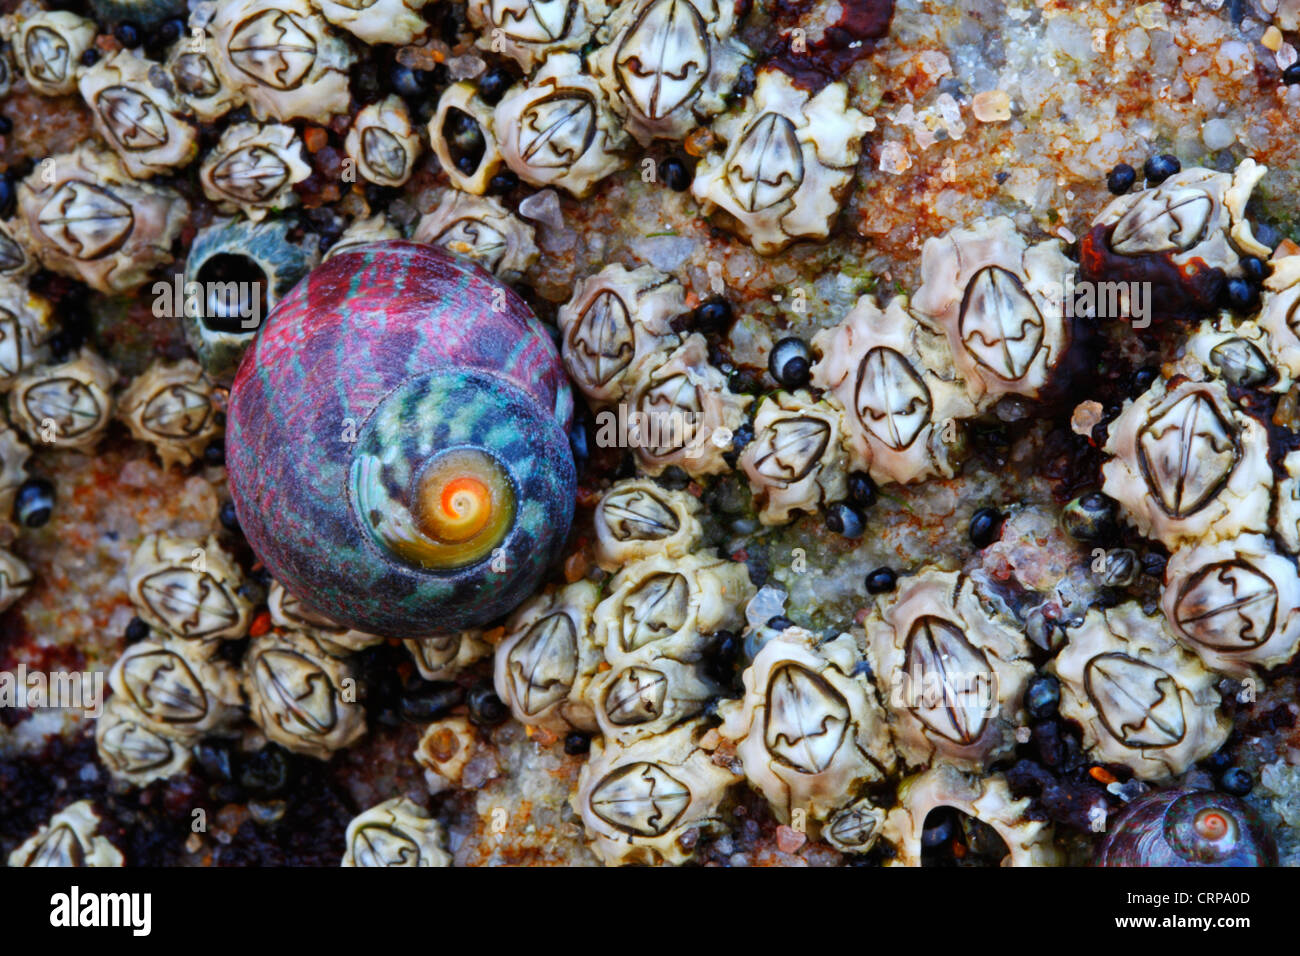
[[493, 85], [266, 772], [952, 838], [136, 630], [577, 743], [721, 658], [486, 709], [464, 139], [229, 281]]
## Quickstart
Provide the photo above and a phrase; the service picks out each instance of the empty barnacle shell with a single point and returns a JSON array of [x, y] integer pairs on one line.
[[1237, 352], [637, 801], [796, 460], [290, 613], [641, 700], [16, 263], [789, 160], [395, 833], [956, 669], [463, 135], [15, 579], [618, 324], [69, 839], [14, 454], [1234, 603], [558, 130], [139, 118], [1279, 313], [199, 87], [998, 299], [637, 518], [188, 587], [282, 58], [382, 143], [543, 666], [855, 828], [254, 168], [1140, 698], [87, 218], [1188, 465], [377, 21], [894, 382], [683, 413], [987, 799], [175, 689], [171, 406], [444, 751], [134, 751], [479, 228], [377, 228], [302, 696], [48, 45], [26, 325], [664, 607], [64, 406], [445, 656], [669, 64], [809, 731], [530, 30]]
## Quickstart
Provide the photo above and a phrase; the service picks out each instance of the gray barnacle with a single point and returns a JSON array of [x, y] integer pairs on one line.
[[139, 118], [547, 660], [956, 669], [999, 301], [65, 406], [1140, 698], [188, 587], [445, 656], [48, 45], [254, 168], [531, 30], [617, 324], [374, 229], [1234, 603], [1239, 353], [669, 64], [134, 751], [479, 228], [894, 382], [198, 85], [641, 700], [637, 519], [69, 839], [176, 690], [382, 143], [26, 325], [638, 801], [303, 697], [15, 579], [282, 58], [84, 216], [789, 160], [172, 407], [558, 129], [377, 21], [290, 613], [1188, 465], [809, 732], [1279, 313], [796, 461], [855, 828], [465, 127], [987, 799], [396, 832]]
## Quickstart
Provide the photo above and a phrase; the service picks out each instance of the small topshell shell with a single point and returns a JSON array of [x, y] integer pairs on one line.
[[1180, 827]]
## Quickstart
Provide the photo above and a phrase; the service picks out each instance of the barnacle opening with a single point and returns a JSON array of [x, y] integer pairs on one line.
[[950, 837], [234, 288], [465, 140]]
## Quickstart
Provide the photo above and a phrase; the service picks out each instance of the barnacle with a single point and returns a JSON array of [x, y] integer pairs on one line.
[[1240, 353], [64, 406], [375, 229], [808, 729], [171, 407], [637, 519], [26, 324], [290, 613], [463, 136], [48, 45], [69, 839], [395, 833], [377, 21], [188, 587], [174, 689], [382, 142], [789, 159], [134, 751], [855, 828], [1286, 516], [444, 750], [796, 460], [1279, 313], [445, 656], [531, 30], [15, 579], [1141, 699], [479, 228], [641, 700], [956, 670], [1188, 465], [199, 86], [253, 169], [14, 455], [16, 263], [302, 696]]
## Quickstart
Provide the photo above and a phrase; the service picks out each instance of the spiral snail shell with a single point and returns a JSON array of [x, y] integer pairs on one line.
[[1187, 828], [397, 449]]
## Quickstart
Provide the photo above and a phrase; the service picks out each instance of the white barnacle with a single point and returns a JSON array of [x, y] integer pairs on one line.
[[48, 45], [637, 519], [188, 587], [16, 263], [641, 700], [1286, 516], [464, 128], [171, 405], [377, 21], [1140, 698], [26, 326], [444, 656], [14, 455], [788, 162], [64, 406], [15, 579], [532, 30], [479, 228], [1239, 353], [363, 231], [199, 86], [382, 142], [396, 832], [288, 612], [796, 461], [69, 839], [176, 690], [1279, 313], [134, 751], [855, 828], [254, 168]]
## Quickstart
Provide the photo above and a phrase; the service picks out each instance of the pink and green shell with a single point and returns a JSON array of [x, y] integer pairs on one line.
[[1187, 828], [397, 443]]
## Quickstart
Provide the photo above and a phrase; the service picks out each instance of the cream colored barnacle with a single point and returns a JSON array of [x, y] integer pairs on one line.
[[15, 579], [788, 162], [531, 30], [375, 229], [172, 407], [543, 666], [617, 324], [382, 142], [1239, 353], [6, 70], [134, 751], [638, 802], [855, 828], [377, 21], [198, 84], [796, 461], [987, 799], [175, 690], [641, 700], [668, 64], [1188, 465], [87, 218], [445, 656], [893, 380], [956, 671], [254, 169], [558, 131], [664, 607], [1141, 699], [16, 263], [14, 455], [683, 413], [48, 45], [290, 613], [637, 519], [302, 696], [809, 731], [1286, 520], [188, 587], [1279, 313], [138, 117], [999, 301], [464, 128], [1235, 603], [282, 58], [64, 406], [479, 228], [395, 833], [69, 839], [26, 325], [444, 751]]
